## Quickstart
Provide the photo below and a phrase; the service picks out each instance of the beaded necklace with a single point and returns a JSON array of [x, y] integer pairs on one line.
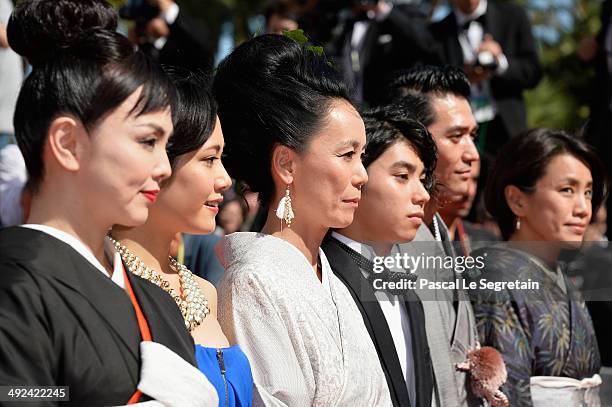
[[193, 304]]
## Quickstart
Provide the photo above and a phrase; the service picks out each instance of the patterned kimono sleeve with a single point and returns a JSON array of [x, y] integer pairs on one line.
[[499, 325], [248, 316]]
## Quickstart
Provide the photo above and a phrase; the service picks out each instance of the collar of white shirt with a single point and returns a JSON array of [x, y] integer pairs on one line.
[[363, 249], [80, 247]]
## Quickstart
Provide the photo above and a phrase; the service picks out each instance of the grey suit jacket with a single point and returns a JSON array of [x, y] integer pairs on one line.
[[450, 333]]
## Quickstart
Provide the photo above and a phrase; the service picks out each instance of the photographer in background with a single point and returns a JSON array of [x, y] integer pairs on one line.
[[493, 43], [167, 33], [377, 39]]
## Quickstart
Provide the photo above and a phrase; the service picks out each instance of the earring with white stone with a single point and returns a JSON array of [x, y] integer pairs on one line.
[[284, 210], [518, 223]]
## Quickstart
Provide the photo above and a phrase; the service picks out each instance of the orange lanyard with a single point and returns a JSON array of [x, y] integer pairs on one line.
[[143, 326]]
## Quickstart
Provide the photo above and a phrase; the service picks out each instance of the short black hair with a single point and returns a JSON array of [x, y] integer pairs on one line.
[[389, 124], [522, 161], [194, 115], [418, 106], [81, 67], [429, 80], [272, 90]]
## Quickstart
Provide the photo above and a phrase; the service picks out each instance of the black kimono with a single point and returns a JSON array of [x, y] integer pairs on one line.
[[63, 323]]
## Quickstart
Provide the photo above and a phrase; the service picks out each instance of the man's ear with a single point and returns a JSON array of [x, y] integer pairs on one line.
[[516, 200], [65, 138], [283, 164]]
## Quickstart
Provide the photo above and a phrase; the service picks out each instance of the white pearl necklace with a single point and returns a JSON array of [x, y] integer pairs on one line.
[[193, 304]]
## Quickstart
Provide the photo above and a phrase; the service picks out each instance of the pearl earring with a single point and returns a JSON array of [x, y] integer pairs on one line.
[[518, 224]]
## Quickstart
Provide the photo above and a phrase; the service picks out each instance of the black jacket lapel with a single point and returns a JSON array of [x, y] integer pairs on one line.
[[454, 50], [423, 369]]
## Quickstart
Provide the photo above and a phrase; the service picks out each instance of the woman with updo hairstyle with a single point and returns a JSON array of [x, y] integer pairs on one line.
[[542, 191], [293, 136], [92, 122]]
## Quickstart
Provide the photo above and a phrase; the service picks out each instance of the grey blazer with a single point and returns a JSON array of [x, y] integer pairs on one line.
[[451, 334]]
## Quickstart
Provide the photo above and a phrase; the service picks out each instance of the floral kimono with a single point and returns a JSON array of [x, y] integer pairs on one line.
[[544, 332]]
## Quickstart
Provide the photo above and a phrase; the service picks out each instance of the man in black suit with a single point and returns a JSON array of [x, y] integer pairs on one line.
[[169, 35], [494, 44], [400, 160], [377, 39]]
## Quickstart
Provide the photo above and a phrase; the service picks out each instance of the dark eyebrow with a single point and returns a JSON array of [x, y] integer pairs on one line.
[[158, 129], [216, 147], [574, 181], [348, 143], [453, 129], [404, 164]]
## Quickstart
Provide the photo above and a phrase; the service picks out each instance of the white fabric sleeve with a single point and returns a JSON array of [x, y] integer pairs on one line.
[[169, 379]]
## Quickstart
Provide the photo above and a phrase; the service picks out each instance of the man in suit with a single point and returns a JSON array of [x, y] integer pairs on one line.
[[439, 98], [169, 35], [494, 44], [400, 160], [373, 42]]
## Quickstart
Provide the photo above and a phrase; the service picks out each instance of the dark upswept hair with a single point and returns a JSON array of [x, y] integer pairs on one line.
[[429, 80], [389, 124], [81, 67], [195, 112], [522, 161], [272, 90]]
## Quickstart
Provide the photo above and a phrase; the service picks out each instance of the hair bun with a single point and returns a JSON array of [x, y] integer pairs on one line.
[[38, 29]]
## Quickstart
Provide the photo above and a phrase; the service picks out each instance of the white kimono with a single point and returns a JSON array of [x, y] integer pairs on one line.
[[306, 341]]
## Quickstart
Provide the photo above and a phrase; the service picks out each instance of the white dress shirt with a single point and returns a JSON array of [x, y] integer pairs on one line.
[[470, 41], [397, 319]]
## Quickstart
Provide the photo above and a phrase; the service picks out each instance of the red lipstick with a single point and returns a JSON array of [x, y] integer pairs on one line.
[[151, 195]]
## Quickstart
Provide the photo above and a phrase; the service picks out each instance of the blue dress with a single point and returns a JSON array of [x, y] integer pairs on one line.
[[227, 369]]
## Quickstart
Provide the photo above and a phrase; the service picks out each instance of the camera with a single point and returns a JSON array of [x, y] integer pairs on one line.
[[486, 60], [138, 10]]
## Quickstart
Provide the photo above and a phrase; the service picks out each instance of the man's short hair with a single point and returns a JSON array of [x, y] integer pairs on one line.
[[429, 80]]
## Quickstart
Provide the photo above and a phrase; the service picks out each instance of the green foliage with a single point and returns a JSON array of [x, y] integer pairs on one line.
[[561, 99], [299, 37]]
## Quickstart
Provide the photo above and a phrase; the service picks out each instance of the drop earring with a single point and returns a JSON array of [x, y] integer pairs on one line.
[[518, 223], [284, 210]]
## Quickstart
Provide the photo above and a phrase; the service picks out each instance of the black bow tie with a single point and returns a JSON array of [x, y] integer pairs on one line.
[[368, 267], [465, 26]]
